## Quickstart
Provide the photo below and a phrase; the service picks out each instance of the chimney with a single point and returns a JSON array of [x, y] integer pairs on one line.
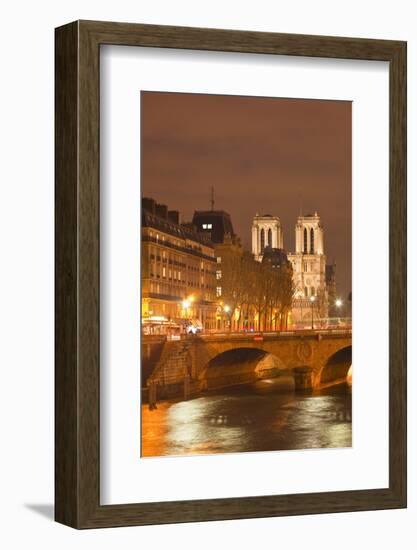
[[174, 216], [161, 210], [148, 205]]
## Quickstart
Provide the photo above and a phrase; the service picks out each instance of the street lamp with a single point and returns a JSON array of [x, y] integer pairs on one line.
[[186, 304], [300, 296], [338, 303], [312, 300], [226, 309]]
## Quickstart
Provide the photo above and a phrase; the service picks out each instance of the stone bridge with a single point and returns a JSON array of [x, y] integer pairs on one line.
[[303, 359]]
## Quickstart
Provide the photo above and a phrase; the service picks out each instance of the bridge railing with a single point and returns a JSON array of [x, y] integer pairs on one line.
[[254, 335]]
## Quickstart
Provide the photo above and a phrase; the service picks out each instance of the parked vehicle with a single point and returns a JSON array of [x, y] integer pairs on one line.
[[193, 327]]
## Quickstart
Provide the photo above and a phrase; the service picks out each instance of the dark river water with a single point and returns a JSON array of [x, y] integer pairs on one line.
[[249, 418]]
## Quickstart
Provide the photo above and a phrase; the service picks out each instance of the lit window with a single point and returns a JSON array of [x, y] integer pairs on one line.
[[219, 260], [218, 274], [204, 226], [218, 291], [209, 226], [164, 272], [179, 275]]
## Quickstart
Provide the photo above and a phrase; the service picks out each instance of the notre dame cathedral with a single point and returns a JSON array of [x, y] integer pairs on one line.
[[311, 286]]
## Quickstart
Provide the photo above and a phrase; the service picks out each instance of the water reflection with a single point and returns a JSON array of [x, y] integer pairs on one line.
[[249, 418]]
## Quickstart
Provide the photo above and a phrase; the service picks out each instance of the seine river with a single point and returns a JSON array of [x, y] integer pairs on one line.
[[249, 418]]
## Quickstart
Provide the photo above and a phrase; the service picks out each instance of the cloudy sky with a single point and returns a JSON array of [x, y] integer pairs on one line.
[[261, 155]]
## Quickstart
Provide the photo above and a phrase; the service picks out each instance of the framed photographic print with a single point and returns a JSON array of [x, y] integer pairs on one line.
[[230, 274]]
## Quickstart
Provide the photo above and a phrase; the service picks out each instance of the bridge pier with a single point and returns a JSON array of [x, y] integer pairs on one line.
[[303, 378], [186, 387], [152, 395]]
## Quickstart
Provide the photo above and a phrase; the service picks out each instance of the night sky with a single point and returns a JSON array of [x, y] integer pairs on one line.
[[262, 155]]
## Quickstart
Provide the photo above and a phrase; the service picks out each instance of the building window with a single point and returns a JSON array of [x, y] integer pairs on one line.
[[313, 291], [164, 273], [305, 240], [218, 274], [204, 226], [179, 275], [219, 260], [305, 267], [218, 291], [270, 237], [311, 241], [262, 240], [305, 291]]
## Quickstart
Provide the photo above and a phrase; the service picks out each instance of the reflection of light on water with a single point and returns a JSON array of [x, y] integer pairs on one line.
[[250, 418], [193, 430], [336, 434], [349, 376]]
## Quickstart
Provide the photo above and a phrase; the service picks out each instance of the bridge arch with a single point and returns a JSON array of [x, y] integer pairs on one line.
[[338, 366], [244, 365]]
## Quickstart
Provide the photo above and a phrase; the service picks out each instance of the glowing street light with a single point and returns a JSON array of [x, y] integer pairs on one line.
[[312, 300], [338, 303], [186, 304], [227, 310]]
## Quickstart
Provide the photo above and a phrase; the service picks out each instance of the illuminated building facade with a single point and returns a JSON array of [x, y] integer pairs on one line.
[[178, 272], [311, 292], [309, 271], [217, 225]]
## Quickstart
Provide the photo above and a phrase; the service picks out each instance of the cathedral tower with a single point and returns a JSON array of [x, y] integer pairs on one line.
[[266, 231], [309, 269], [309, 235]]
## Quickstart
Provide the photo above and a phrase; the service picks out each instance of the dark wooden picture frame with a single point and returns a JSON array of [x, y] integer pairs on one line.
[[77, 370]]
